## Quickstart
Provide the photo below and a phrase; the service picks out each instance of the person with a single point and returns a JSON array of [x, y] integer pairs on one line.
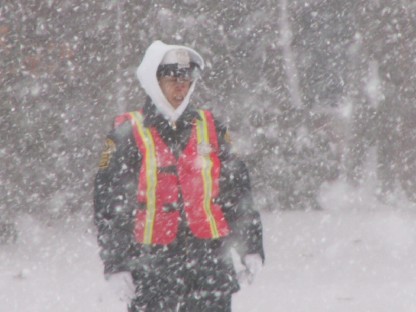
[[171, 199]]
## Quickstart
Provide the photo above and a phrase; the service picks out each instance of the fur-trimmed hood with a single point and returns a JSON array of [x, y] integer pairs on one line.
[[146, 73]]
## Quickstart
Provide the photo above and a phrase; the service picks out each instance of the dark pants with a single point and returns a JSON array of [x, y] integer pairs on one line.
[[207, 302], [199, 280]]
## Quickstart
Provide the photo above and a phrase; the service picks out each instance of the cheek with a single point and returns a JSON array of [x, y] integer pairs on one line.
[[165, 89], [186, 88]]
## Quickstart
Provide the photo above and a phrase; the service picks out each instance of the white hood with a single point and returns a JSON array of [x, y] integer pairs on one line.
[[146, 73]]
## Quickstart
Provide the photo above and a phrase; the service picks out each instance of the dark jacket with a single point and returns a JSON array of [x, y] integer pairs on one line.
[[115, 204]]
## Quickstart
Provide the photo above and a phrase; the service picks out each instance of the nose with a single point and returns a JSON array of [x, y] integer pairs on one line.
[[181, 84]]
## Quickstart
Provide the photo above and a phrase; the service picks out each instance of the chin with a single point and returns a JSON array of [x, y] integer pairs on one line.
[[175, 104]]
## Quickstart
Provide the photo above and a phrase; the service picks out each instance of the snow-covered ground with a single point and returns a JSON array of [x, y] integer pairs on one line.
[[355, 255]]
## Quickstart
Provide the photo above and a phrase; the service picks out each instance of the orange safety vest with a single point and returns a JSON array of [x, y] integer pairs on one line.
[[195, 174]]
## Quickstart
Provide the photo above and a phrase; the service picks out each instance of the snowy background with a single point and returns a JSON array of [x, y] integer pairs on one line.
[[319, 97], [356, 255]]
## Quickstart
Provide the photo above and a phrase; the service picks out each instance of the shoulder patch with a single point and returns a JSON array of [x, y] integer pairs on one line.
[[227, 137], [109, 149]]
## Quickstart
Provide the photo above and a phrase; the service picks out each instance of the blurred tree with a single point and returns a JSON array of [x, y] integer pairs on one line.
[[381, 91], [68, 67]]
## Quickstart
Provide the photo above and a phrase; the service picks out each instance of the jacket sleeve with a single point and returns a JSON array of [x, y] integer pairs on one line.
[[114, 198], [236, 198]]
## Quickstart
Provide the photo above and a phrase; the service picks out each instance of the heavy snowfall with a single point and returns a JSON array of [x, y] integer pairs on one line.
[[355, 255], [317, 94]]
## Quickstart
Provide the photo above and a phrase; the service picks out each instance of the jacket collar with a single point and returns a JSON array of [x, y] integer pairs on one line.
[[153, 118]]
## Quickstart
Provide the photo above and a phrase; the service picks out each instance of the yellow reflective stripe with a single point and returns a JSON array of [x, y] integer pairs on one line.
[[151, 176], [203, 139]]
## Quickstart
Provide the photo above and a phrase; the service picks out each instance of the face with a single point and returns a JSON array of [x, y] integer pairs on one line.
[[175, 89]]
